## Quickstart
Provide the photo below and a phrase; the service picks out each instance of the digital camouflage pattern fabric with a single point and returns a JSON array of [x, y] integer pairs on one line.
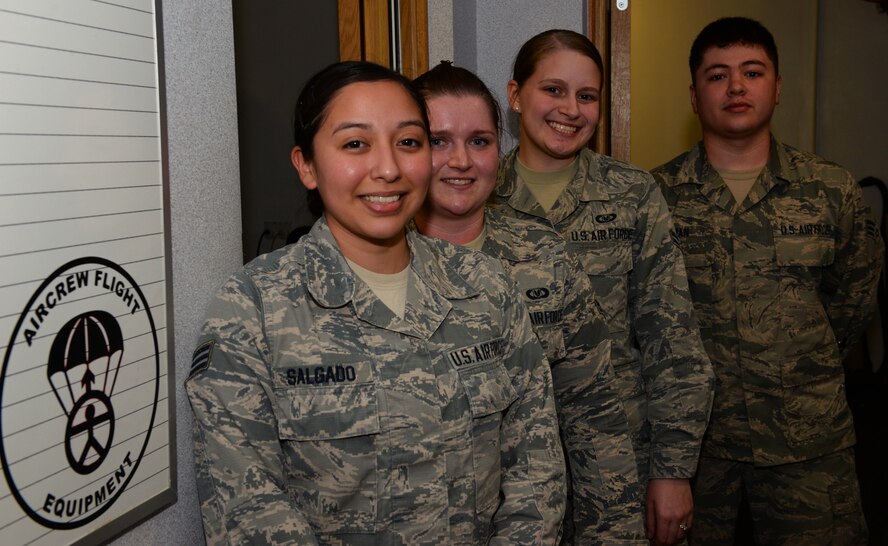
[[795, 504], [604, 503], [783, 282], [615, 222], [323, 418]]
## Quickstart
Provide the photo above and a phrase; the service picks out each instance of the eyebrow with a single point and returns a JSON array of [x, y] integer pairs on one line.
[[367, 126], [751, 62], [412, 123], [558, 81], [350, 125]]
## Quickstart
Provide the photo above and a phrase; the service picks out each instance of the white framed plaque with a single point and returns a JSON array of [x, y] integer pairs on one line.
[[86, 410]]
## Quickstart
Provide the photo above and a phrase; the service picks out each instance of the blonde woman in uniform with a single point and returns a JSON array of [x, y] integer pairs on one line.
[[615, 221]]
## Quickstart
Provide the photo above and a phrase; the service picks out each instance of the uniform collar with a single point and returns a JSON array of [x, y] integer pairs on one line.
[[696, 169], [780, 165], [328, 278], [578, 190], [331, 282], [591, 168], [431, 265], [500, 238]]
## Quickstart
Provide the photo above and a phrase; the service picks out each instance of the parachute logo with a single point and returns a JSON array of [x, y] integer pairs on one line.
[[83, 365], [79, 390]]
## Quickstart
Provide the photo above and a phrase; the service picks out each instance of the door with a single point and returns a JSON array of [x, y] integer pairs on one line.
[[393, 33]]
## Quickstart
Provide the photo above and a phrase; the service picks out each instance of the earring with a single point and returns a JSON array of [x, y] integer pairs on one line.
[[516, 108]]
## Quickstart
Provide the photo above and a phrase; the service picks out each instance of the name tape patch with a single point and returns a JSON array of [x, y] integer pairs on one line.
[[477, 353], [596, 235], [318, 375], [545, 318], [807, 229]]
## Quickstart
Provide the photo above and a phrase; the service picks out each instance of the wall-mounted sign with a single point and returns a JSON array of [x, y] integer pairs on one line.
[[86, 444]]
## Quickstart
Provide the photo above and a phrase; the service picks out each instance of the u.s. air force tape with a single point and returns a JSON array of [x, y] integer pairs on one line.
[[477, 353], [200, 360]]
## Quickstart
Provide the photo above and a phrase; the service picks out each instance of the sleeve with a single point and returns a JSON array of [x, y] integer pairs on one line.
[[532, 494], [851, 283], [605, 493], [677, 374], [238, 457]]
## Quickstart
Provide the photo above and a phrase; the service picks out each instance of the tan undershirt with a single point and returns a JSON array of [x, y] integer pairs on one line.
[[546, 186], [477, 242], [740, 182], [391, 288]]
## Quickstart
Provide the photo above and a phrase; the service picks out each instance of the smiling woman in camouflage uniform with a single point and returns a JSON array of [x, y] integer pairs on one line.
[[616, 223], [367, 385], [604, 505]]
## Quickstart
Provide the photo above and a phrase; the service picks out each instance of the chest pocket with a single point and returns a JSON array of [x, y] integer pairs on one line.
[[541, 283], [608, 267], [805, 327], [545, 306], [800, 260], [330, 436], [547, 326], [804, 251], [804, 231], [489, 390]]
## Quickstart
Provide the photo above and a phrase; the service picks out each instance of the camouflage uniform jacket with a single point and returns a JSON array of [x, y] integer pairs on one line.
[[782, 282], [323, 418], [615, 221], [604, 498]]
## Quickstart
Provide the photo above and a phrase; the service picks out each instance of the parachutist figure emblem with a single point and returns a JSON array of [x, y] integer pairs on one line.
[[83, 364]]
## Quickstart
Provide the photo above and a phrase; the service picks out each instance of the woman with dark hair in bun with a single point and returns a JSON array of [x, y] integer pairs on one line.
[[368, 385]]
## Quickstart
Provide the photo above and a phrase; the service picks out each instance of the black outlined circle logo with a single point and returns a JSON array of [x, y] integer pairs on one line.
[[538, 293], [79, 392]]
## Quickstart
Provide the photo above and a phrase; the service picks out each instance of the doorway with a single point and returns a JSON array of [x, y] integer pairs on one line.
[[277, 47]]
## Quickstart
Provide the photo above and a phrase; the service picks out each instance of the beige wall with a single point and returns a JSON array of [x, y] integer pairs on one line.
[[663, 124]]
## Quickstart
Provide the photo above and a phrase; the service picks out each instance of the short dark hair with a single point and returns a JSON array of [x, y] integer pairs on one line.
[[730, 31], [446, 79], [546, 42], [322, 88]]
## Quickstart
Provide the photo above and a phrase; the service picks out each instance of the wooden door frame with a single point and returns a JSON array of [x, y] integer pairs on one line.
[[609, 28], [366, 33]]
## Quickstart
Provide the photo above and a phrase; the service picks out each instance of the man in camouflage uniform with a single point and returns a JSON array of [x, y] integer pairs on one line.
[[783, 271], [604, 503], [323, 418]]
